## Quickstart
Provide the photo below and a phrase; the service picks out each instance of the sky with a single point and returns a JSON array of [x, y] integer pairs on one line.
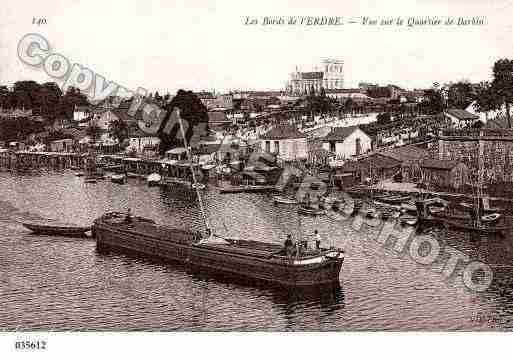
[[205, 45]]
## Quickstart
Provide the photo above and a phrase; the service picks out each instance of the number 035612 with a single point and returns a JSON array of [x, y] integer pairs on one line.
[[30, 345]]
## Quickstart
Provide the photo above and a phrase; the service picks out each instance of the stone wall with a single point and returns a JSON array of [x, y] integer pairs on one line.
[[490, 152]]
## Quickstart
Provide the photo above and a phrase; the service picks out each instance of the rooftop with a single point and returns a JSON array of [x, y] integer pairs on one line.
[[462, 114], [282, 132], [340, 133], [439, 164], [405, 153]]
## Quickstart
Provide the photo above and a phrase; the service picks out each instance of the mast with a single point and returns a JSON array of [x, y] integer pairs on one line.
[[205, 219]]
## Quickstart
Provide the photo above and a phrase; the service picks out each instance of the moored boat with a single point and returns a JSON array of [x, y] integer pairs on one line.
[[284, 200], [50, 228], [481, 228], [408, 220], [311, 211], [249, 259], [394, 199], [153, 179], [491, 218], [119, 179], [254, 260], [198, 186]]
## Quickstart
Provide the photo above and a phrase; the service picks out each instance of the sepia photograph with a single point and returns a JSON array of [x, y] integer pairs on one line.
[[277, 172]]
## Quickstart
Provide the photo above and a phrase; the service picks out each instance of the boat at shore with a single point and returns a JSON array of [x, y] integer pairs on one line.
[[254, 260], [284, 200], [153, 179], [119, 179], [56, 229], [408, 220], [287, 265]]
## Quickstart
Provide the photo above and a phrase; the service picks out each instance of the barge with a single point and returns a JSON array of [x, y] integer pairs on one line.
[[251, 260], [285, 266]]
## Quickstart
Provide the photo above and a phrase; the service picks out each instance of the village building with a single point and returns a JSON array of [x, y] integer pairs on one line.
[[329, 76], [81, 113], [346, 142], [286, 141], [488, 150], [460, 118], [444, 174], [398, 163], [64, 145], [141, 142]]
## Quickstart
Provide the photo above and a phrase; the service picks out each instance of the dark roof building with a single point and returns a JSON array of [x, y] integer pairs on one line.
[[462, 115], [339, 134]]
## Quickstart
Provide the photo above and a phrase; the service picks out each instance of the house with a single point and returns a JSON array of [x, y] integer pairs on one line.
[[444, 174], [347, 175], [460, 118], [397, 162], [346, 142], [286, 141], [139, 141], [176, 154], [205, 153], [64, 145], [81, 113]]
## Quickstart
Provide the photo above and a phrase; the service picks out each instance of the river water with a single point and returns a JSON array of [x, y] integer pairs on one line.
[[58, 283]]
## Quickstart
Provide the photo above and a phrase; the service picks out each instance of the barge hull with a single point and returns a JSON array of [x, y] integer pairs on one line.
[[261, 269]]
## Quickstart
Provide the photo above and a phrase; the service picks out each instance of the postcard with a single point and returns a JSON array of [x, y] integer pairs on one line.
[[173, 168]]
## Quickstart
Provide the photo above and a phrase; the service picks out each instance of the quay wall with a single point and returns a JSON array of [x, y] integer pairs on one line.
[[488, 150]]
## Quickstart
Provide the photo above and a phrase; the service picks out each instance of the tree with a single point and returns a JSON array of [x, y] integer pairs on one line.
[[73, 97], [460, 95], [348, 105], [433, 102], [502, 84], [486, 99], [383, 118], [192, 111]]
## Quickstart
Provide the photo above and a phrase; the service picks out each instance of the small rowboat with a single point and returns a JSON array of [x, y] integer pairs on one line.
[[491, 218], [120, 179], [395, 199], [371, 213], [409, 220], [477, 228], [436, 211], [56, 229], [311, 211], [408, 207], [284, 200], [153, 179]]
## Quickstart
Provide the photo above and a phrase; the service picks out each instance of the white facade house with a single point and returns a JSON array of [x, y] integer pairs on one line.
[[460, 118], [287, 142], [81, 113], [346, 142], [140, 141]]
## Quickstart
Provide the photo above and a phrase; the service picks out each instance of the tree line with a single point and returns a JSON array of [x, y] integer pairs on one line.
[[46, 100]]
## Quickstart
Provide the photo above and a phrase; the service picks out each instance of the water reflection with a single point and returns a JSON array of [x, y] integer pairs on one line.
[[74, 287]]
